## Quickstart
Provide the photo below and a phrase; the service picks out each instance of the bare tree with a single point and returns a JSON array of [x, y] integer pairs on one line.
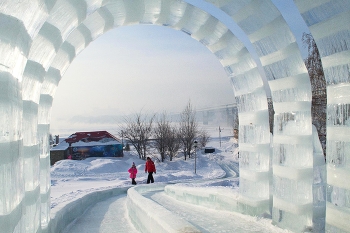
[[173, 142], [167, 138], [314, 64], [188, 129], [138, 130], [235, 124], [203, 138], [318, 84], [161, 135]]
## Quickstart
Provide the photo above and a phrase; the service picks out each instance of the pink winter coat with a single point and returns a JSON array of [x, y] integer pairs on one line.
[[133, 172]]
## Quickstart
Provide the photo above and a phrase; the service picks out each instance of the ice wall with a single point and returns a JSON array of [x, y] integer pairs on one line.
[[254, 138], [219, 198], [306, 215], [19, 169], [62, 217], [40, 38], [329, 23], [319, 185], [291, 94]]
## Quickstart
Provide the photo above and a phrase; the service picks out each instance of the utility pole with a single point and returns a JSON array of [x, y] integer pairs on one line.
[[122, 139], [195, 156], [220, 135]]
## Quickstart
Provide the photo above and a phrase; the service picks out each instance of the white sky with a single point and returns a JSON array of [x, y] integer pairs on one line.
[[142, 66], [149, 68]]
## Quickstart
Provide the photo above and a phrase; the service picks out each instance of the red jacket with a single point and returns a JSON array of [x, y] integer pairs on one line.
[[133, 172], [150, 167]]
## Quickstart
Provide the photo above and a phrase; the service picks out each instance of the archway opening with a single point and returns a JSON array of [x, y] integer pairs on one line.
[[126, 70]]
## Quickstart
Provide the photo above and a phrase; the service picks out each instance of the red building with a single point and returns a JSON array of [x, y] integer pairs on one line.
[[81, 145]]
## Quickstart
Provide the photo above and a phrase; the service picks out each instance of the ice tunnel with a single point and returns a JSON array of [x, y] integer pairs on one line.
[[281, 174]]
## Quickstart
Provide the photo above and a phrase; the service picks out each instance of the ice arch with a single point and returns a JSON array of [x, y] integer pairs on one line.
[[40, 38]]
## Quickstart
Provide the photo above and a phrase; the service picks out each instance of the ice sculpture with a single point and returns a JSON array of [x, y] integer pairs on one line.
[[291, 95], [40, 38], [301, 206], [329, 24]]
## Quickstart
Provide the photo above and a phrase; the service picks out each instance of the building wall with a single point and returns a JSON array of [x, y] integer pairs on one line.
[[57, 155]]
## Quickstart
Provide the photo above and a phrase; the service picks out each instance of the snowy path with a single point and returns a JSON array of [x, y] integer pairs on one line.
[[108, 216], [209, 220], [111, 215]]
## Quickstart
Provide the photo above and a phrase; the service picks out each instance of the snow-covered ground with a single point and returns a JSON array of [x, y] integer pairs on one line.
[[73, 179]]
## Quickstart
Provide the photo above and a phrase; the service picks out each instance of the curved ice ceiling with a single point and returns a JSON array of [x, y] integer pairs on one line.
[[40, 38]]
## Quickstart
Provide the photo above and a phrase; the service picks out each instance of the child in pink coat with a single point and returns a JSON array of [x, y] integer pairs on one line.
[[133, 172]]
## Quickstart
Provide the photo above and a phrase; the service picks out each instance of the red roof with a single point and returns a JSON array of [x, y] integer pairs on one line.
[[89, 136]]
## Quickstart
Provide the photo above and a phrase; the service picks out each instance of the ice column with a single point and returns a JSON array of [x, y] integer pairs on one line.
[[254, 138], [11, 167], [329, 23], [19, 23], [66, 33], [319, 185], [44, 147], [250, 97], [291, 94], [64, 50], [58, 52], [42, 52], [32, 79], [64, 17]]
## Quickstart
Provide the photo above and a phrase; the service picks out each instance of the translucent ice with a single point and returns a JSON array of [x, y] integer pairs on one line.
[[158, 220], [39, 39], [299, 189], [328, 23]]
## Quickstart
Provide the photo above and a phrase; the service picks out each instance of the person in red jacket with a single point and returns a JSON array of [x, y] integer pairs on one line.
[[150, 168], [133, 172]]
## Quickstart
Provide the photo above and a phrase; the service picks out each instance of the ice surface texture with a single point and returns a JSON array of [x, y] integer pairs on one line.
[[40, 38], [148, 216], [329, 24], [61, 219]]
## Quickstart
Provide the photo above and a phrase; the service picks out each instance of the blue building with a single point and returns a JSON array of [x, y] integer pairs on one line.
[[81, 145]]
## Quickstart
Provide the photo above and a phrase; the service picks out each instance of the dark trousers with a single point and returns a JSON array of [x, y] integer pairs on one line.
[[150, 178], [133, 181]]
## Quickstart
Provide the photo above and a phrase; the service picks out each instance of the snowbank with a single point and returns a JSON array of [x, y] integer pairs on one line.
[[76, 185]]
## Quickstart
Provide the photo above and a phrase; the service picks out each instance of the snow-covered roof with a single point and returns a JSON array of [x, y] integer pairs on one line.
[[81, 139]]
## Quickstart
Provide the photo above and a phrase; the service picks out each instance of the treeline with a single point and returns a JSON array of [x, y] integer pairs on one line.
[[146, 132]]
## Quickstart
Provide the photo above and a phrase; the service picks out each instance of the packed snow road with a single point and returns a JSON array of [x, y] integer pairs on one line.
[[111, 215], [73, 182]]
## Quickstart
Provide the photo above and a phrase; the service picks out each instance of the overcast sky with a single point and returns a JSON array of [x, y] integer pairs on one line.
[[146, 68]]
